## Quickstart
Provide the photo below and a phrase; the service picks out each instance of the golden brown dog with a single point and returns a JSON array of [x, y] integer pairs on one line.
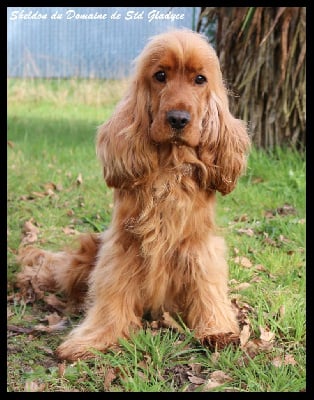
[[169, 146]]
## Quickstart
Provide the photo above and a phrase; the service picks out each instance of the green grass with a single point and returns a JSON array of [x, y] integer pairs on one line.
[[51, 134]]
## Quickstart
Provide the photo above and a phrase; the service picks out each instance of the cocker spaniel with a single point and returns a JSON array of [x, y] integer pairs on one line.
[[169, 146]]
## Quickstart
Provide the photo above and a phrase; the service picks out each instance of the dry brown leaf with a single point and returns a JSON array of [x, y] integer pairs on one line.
[[53, 319], [220, 376], [50, 193], [195, 367], [256, 279], [33, 386], [50, 186], [242, 218], [10, 144], [70, 231], [282, 311], [270, 241], [61, 369], [289, 360], [266, 335], [110, 376], [283, 239], [269, 214], [29, 227], [257, 180], [243, 261], [39, 194], [277, 361], [196, 380], [244, 335], [215, 357], [242, 286], [211, 384], [79, 179], [29, 238], [55, 323], [286, 209], [260, 267], [248, 231]]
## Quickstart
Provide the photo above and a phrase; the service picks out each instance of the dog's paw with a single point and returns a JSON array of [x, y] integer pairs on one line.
[[72, 350], [220, 340]]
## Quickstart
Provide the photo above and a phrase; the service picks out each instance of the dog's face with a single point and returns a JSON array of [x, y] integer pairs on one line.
[[179, 75]]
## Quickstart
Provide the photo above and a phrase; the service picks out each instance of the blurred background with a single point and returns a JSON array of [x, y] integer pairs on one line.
[[86, 48], [262, 51]]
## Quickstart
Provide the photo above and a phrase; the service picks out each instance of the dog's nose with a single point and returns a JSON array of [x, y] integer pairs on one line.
[[178, 119]]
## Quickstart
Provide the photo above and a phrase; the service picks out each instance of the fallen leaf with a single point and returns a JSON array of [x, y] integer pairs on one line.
[[244, 335], [29, 227], [266, 334], [242, 286], [53, 319], [283, 239], [196, 380], [55, 323], [248, 231], [70, 231], [277, 361], [242, 218], [50, 186], [289, 360], [19, 329], [260, 267], [269, 241], [10, 144], [257, 180], [79, 179], [243, 261], [220, 376], [30, 232], [195, 367], [256, 279], [61, 369], [215, 357], [282, 311], [286, 209], [33, 386], [39, 194], [110, 376], [269, 214], [211, 384]]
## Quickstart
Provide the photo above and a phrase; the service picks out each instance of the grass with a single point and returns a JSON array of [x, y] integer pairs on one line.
[[55, 181]]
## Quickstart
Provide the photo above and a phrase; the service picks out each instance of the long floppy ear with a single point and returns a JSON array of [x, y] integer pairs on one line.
[[224, 146], [122, 142]]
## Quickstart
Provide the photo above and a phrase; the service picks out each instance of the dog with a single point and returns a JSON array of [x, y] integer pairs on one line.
[[169, 146]]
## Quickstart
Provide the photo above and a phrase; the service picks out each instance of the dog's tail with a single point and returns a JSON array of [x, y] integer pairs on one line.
[[66, 271]]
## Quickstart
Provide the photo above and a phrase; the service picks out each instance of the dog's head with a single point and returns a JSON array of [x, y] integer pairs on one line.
[[177, 96]]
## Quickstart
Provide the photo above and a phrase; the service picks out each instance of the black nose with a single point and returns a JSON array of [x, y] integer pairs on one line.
[[178, 119]]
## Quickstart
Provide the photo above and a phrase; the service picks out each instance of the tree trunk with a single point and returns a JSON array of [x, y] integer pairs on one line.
[[262, 52]]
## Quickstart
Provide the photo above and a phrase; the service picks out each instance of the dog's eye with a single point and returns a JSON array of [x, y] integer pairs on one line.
[[160, 76], [200, 79]]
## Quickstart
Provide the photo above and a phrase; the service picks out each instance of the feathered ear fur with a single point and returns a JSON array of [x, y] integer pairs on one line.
[[122, 144], [224, 145]]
